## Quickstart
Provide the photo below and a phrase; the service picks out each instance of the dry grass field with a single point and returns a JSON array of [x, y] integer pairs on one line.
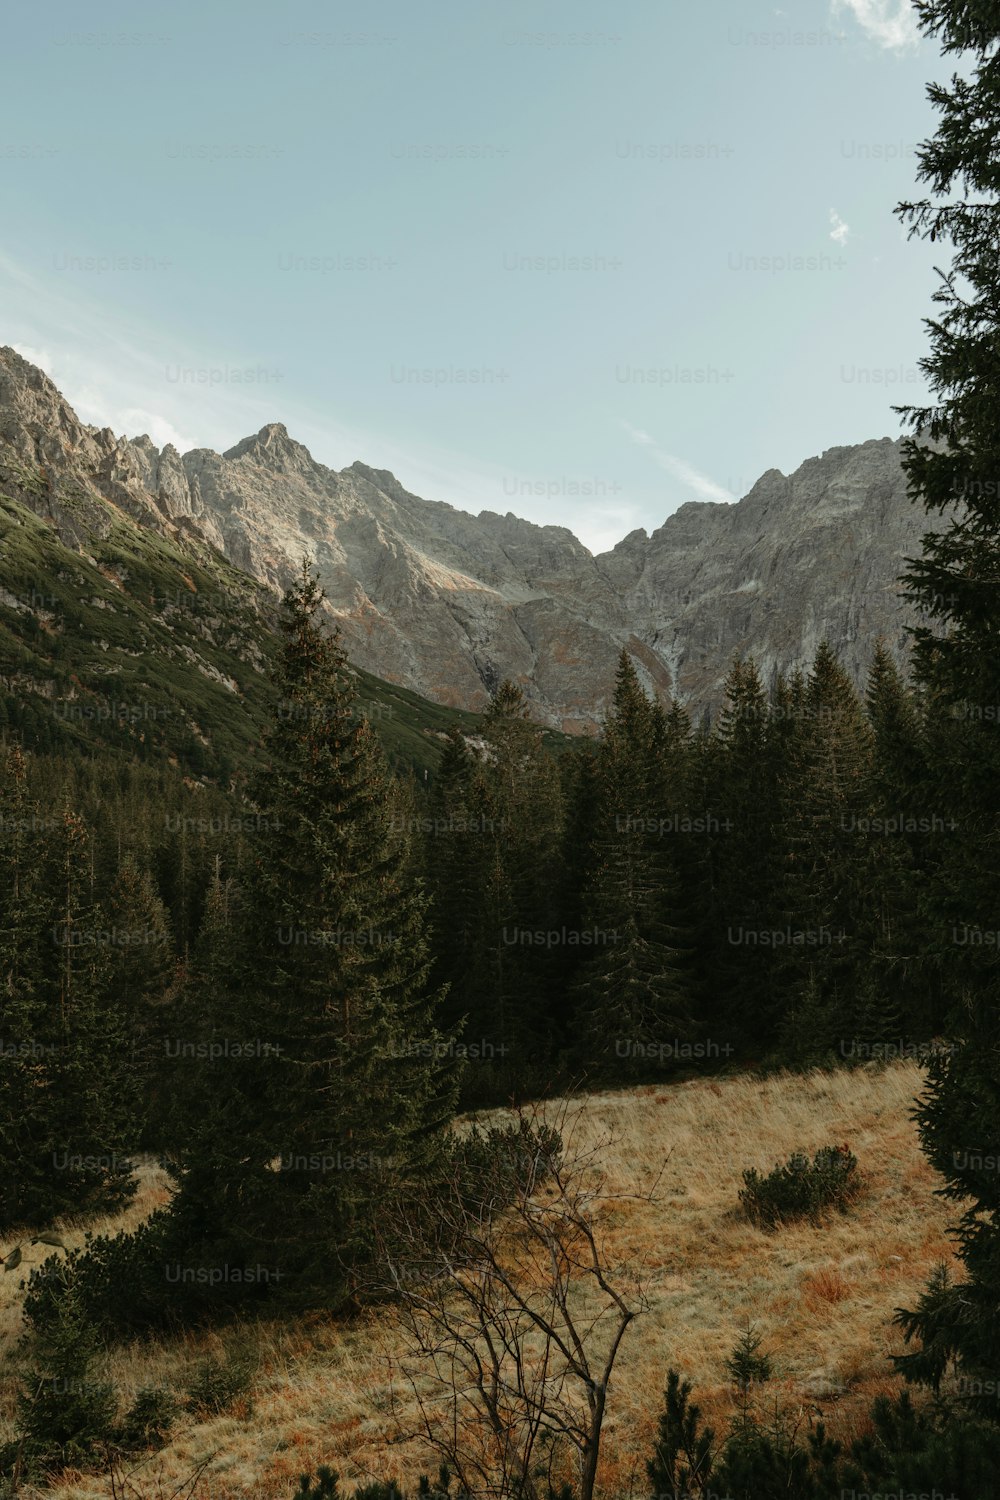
[[823, 1296]]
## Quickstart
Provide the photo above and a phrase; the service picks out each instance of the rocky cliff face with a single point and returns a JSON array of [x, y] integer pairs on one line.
[[804, 556], [449, 603]]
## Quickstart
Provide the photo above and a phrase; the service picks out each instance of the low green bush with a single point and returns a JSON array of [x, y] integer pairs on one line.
[[221, 1383], [149, 1419], [492, 1166], [97, 1274], [150, 1279], [800, 1188]]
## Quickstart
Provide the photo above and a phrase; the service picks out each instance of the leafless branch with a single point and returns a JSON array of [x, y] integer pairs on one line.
[[513, 1319]]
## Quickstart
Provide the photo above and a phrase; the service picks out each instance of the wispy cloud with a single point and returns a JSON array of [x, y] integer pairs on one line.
[[839, 231], [704, 487], [123, 375], [890, 23]]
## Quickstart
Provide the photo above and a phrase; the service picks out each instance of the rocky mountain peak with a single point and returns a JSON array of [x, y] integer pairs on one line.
[[33, 413], [448, 603], [272, 446]]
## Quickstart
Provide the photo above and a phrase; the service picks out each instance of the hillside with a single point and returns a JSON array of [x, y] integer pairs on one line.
[[823, 1296], [132, 643]]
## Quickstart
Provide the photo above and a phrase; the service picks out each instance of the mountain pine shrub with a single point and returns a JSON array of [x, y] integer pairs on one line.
[[800, 1188]]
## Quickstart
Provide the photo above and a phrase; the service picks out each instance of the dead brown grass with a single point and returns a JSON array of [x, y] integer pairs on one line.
[[822, 1295], [825, 1286]]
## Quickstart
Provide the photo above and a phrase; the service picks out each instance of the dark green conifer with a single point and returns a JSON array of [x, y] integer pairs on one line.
[[823, 792], [634, 994], [953, 463], [332, 1031], [67, 1119], [741, 780]]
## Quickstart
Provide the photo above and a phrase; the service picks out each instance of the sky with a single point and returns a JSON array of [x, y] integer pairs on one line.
[[581, 260]]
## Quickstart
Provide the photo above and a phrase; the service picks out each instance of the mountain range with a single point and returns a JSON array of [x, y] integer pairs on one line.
[[446, 604]]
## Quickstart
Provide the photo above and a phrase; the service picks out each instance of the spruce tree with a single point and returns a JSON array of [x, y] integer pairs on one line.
[[455, 844], [140, 971], [219, 1145], [501, 961], [635, 994], [347, 1075], [27, 1129], [580, 777], [953, 465], [741, 774], [822, 897], [67, 1119], [93, 1098], [897, 995]]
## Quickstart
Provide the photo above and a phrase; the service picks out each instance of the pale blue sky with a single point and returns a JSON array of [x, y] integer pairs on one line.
[[549, 201]]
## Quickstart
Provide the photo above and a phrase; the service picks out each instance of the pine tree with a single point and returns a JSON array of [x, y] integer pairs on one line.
[[66, 1120], [898, 992], [823, 794], [455, 844], [506, 858], [580, 777], [741, 776], [635, 997], [349, 1077], [92, 1098], [140, 971], [219, 1144], [26, 1126], [956, 584], [683, 1456]]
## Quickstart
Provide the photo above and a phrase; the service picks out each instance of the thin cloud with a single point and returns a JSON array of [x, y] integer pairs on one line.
[[890, 23], [123, 375], [839, 231], [704, 487], [126, 376]]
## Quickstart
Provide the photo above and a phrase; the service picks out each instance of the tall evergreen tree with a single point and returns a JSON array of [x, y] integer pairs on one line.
[[26, 1124], [581, 779], [66, 1125], [93, 1097], [741, 789], [455, 859], [140, 972], [348, 1077], [635, 996], [823, 796], [953, 464], [898, 839], [504, 803]]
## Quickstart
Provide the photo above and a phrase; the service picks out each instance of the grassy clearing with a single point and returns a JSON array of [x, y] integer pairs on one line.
[[822, 1295]]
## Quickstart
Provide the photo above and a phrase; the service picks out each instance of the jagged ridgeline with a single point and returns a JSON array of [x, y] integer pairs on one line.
[[448, 604], [124, 624]]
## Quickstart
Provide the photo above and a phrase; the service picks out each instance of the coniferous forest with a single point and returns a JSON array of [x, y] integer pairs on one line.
[[771, 889], [292, 986]]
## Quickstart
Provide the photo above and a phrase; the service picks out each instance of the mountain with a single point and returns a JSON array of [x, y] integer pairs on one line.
[[123, 632], [446, 604]]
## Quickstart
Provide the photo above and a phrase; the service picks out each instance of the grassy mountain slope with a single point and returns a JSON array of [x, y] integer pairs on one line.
[[822, 1295], [138, 646]]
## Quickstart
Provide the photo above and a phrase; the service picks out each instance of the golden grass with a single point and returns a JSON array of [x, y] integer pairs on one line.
[[823, 1296]]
